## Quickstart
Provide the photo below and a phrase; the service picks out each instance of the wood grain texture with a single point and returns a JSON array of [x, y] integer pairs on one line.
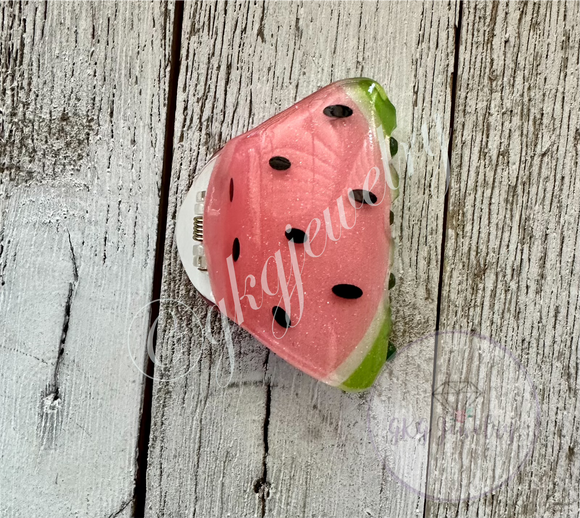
[[82, 118], [512, 254], [83, 101], [275, 442]]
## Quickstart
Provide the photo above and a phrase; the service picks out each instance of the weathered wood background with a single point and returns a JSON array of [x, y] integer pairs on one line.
[[108, 110]]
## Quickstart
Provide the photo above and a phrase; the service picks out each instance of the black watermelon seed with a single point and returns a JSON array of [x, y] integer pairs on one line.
[[231, 189], [338, 111], [347, 291], [359, 196], [299, 236], [391, 217], [281, 317], [391, 281], [393, 145], [391, 351], [279, 163], [236, 249]]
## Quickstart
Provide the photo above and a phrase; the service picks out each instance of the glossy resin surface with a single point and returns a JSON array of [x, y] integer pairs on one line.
[[297, 233]]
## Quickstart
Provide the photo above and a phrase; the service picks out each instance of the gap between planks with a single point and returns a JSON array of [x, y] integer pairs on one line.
[[139, 496], [443, 239]]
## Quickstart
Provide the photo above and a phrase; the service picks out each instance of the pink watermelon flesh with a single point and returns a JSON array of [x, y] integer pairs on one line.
[[283, 174]]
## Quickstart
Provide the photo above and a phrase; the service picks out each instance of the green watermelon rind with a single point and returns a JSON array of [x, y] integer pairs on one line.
[[366, 373], [374, 99], [373, 92]]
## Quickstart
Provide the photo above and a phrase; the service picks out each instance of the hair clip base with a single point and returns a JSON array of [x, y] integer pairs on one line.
[[189, 232]]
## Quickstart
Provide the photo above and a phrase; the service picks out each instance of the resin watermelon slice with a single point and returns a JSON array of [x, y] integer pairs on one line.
[[296, 232]]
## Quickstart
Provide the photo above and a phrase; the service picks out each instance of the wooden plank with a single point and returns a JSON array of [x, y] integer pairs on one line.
[[512, 258], [274, 442], [83, 90]]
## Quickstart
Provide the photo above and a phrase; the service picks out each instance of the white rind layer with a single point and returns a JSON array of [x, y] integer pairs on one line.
[[356, 357]]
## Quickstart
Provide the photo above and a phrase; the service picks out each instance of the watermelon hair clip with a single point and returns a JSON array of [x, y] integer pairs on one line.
[[287, 230]]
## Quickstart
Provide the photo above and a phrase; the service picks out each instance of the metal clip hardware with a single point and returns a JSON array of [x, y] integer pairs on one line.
[[198, 228], [198, 252]]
